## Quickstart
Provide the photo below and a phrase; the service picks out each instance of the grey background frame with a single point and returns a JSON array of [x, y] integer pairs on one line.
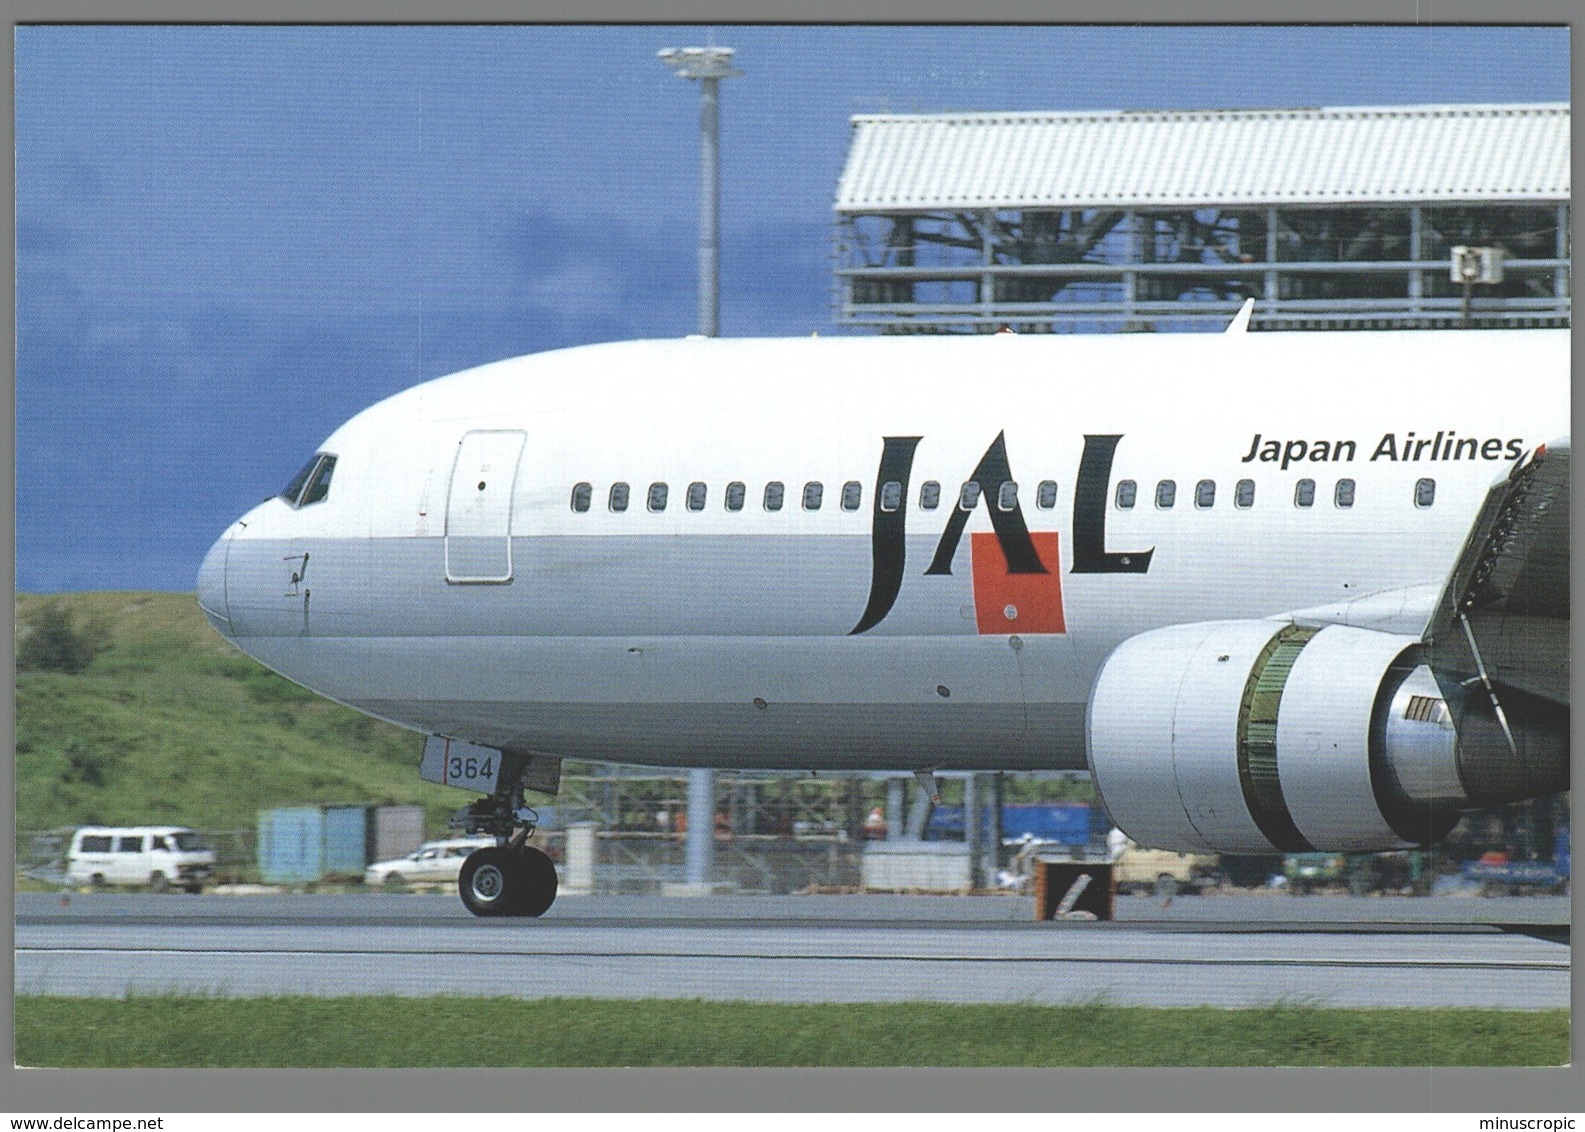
[[1488, 1091]]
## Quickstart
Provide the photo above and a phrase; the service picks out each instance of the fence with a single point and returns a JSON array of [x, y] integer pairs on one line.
[[627, 862], [636, 863], [41, 854]]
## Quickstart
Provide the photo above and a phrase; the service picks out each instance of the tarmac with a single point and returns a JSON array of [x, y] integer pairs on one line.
[[1223, 950]]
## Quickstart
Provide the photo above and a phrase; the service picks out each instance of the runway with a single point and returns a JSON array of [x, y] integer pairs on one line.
[[1223, 951]]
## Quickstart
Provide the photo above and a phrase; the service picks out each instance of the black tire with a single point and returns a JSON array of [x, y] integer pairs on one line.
[[496, 881], [539, 889], [194, 889], [158, 883], [97, 882]]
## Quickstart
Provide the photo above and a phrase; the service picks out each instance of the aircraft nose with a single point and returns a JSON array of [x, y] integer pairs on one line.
[[212, 585]]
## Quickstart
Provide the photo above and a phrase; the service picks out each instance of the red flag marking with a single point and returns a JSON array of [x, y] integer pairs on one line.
[[1017, 603]]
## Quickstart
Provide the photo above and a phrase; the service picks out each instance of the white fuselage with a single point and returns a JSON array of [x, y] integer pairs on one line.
[[450, 582]]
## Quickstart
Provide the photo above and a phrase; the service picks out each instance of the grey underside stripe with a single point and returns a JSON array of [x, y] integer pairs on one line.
[[651, 650]]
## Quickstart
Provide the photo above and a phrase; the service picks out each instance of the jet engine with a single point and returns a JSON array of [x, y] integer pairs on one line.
[[1262, 736]]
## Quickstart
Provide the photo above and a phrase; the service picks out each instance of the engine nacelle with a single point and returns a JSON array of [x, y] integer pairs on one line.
[[1262, 736]]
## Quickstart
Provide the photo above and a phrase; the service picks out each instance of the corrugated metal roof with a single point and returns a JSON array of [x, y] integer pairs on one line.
[[1141, 159]]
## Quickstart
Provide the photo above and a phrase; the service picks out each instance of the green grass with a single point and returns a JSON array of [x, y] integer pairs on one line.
[[170, 723], [444, 1032]]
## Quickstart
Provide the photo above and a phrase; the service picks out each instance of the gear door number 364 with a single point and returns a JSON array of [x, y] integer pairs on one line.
[[452, 762]]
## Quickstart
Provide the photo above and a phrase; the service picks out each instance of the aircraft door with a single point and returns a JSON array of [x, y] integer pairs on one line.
[[479, 506]]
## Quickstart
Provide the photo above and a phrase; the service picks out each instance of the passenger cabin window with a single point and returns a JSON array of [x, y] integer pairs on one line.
[[130, 845], [312, 483], [1304, 493], [1424, 493], [696, 494], [582, 494], [775, 492], [1127, 492], [968, 496], [1046, 495], [929, 495], [735, 494], [1007, 496], [1244, 493], [891, 495], [1166, 494], [1344, 496], [96, 844], [814, 492], [1205, 494], [619, 494], [853, 495], [657, 496]]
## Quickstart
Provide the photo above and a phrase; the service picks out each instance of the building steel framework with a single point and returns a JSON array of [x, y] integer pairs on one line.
[[1335, 264]]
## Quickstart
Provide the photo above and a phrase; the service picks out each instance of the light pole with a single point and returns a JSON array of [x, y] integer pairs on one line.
[[707, 65]]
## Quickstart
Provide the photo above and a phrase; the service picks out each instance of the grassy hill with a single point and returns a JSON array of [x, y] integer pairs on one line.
[[169, 723]]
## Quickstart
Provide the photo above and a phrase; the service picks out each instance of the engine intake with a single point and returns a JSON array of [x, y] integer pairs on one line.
[[1261, 736]]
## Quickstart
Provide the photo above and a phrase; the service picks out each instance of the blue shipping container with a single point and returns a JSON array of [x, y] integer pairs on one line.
[[300, 844], [291, 845], [1067, 823], [345, 839]]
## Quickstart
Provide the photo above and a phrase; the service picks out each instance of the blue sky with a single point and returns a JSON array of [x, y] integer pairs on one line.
[[231, 239]]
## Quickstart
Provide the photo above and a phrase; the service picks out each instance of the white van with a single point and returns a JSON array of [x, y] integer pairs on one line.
[[159, 856]]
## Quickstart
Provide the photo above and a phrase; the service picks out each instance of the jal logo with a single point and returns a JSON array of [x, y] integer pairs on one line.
[[1016, 574]]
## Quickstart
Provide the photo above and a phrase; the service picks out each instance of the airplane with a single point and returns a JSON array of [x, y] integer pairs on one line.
[[1275, 592]]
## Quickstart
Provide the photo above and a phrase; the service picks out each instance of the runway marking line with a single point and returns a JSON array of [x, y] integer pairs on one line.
[[1257, 961]]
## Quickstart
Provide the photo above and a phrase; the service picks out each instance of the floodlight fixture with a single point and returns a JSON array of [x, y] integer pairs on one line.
[[700, 62], [708, 66]]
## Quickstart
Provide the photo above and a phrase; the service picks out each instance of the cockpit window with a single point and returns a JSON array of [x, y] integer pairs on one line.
[[312, 484], [319, 483], [292, 490]]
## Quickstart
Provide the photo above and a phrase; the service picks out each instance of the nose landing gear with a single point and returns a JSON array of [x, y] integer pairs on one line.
[[510, 878]]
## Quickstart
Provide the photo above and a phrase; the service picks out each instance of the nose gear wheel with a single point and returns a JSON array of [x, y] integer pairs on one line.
[[501, 880]]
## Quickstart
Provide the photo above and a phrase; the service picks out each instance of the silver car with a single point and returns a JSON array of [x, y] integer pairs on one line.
[[434, 862]]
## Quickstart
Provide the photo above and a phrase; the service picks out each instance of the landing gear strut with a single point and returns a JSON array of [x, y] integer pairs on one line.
[[510, 878]]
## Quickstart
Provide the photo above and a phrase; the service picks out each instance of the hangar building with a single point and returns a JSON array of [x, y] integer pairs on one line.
[[1340, 218]]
